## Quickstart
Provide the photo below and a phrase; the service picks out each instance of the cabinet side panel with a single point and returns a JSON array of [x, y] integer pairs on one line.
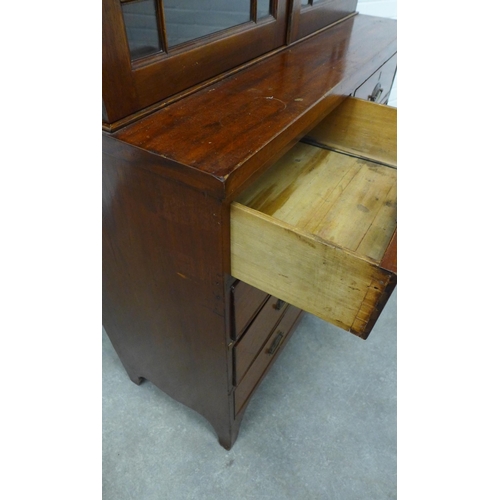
[[163, 284]]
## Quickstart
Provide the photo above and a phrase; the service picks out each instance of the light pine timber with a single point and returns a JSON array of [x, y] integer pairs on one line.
[[362, 128], [347, 201], [328, 281], [315, 229]]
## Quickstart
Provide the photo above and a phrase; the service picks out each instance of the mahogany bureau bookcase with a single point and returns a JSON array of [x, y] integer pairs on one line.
[[246, 177]]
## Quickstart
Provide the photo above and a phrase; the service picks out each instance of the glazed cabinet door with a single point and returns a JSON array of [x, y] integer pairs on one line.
[[154, 49], [309, 16]]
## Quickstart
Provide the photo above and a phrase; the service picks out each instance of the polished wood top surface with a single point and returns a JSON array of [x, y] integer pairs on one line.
[[243, 123]]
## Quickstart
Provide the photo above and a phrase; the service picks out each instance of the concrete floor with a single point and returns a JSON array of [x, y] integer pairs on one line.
[[322, 425]]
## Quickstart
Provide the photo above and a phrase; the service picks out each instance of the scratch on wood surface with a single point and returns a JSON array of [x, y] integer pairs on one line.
[[272, 98]]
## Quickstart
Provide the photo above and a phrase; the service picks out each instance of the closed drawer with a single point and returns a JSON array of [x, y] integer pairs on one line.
[[268, 352], [318, 229], [246, 303], [378, 87], [251, 343]]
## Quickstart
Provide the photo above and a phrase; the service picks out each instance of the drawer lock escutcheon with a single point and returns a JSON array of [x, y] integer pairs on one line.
[[276, 343]]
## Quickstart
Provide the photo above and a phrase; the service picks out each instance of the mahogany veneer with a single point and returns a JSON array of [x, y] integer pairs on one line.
[[173, 311]]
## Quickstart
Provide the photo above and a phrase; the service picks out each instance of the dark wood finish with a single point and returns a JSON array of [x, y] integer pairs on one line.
[[293, 90], [384, 297], [162, 24], [153, 79], [119, 93], [307, 20], [164, 286], [168, 181], [259, 366], [247, 302], [384, 76], [251, 343], [390, 259]]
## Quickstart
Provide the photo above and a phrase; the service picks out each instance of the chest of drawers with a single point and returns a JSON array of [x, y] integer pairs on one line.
[[227, 212]]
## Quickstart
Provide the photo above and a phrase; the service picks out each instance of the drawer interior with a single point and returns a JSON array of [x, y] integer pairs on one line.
[[318, 228], [347, 201]]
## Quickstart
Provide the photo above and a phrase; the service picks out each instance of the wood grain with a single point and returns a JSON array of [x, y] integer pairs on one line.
[[316, 226], [251, 343], [390, 258], [168, 183], [315, 17], [303, 269], [349, 202], [247, 301], [164, 293], [264, 360], [383, 76], [280, 99], [166, 74], [362, 128]]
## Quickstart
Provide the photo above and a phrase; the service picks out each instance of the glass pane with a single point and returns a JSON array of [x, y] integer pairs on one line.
[[263, 8], [142, 28], [304, 3], [190, 19]]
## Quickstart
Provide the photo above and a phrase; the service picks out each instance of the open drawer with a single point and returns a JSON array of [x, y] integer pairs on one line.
[[318, 229]]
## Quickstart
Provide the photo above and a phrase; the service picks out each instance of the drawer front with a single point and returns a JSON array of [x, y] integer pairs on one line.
[[268, 352], [247, 301], [378, 87], [318, 228], [257, 334]]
